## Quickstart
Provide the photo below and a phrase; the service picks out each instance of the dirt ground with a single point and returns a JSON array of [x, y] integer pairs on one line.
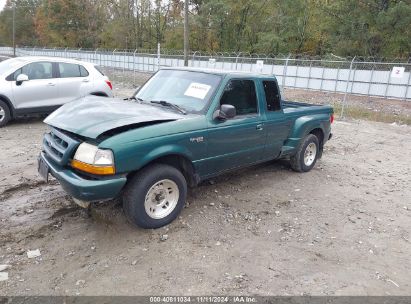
[[341, 229]]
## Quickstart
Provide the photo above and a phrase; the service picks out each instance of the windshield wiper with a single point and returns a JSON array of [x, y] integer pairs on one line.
[[134, 98], [169, 104]]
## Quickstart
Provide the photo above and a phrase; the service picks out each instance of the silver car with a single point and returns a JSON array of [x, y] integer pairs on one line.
[[39, 85]]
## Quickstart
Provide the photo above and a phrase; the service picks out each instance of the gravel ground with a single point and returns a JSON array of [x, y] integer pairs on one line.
[[341, 229]]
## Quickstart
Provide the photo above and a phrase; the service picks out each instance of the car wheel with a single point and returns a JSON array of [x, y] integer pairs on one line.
[[306, 155], [4, 114], [155, 196]]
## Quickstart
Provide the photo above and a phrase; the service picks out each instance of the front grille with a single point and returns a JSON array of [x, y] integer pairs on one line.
[[59, 146]]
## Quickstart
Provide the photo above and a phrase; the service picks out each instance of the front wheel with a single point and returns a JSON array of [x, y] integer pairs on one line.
[[306, 155], [155, 196], [4, 114]]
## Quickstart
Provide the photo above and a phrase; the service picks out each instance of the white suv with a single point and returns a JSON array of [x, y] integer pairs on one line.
[[39, 85]]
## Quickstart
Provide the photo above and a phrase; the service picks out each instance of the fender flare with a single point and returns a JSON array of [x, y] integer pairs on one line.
[[304, 125], [8, 102]]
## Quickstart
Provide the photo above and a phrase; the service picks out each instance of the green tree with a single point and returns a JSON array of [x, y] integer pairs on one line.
[[69, 23], [379, 28], [25, 11]]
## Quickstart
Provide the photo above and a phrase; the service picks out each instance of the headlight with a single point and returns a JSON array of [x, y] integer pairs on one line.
[[91, 159]]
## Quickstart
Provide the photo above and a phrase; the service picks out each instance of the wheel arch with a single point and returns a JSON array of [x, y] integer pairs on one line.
[[9, 104], [320, 135], [178, 161]]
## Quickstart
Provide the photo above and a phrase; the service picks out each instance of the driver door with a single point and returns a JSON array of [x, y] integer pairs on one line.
[[238, 141], [40, 91]]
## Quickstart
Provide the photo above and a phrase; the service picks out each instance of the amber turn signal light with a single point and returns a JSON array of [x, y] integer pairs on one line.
[[93, 169]]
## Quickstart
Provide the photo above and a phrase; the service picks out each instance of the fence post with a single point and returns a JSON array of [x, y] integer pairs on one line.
[[370, 83], [241, 63], [113, 59], [272, 65], [309, 75], [95, 54], [144, 62], [388, 84], [236, 60], [296, 74], [285, 71], [353, 79], [346, 88], [408, 85], [134, 66], [250, 63], [158, 55], [222, 59], [194, 55], [322, 77], [124, 60], [338, 79]]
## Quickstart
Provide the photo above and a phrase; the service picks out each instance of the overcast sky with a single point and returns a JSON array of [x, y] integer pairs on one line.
[[2, 3]]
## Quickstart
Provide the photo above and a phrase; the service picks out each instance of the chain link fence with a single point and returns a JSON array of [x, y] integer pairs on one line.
[[360, 76]]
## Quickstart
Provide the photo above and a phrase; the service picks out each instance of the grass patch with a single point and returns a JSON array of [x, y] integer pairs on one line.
[[366, 114]]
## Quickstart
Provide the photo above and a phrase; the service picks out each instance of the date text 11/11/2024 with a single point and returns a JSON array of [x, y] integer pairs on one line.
[[203, 299]]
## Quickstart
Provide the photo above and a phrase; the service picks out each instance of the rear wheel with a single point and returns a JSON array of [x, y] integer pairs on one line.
[[307, 154], [155, 196], [4, 114]]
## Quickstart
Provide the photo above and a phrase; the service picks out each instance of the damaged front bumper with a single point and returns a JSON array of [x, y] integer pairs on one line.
[[78, 187]]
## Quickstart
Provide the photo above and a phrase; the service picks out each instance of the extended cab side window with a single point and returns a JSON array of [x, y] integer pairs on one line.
[[242, 95], [272, 95]]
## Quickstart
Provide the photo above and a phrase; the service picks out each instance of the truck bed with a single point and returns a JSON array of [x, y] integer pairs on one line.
[[296, 104], [306, 108]]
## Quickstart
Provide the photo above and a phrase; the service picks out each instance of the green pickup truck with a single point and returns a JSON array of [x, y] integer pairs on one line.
[[181, 127]]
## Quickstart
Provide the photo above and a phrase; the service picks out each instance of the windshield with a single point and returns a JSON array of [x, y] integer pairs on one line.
[[8, 64], [189, 90]]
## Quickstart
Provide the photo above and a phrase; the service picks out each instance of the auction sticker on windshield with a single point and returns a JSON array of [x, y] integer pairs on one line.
[[197, 90]]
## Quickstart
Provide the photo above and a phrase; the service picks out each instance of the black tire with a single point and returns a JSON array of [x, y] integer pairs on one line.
[[136, 190], [4, 118], [297, 160]]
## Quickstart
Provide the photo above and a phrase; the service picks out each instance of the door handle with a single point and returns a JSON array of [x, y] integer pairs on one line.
[[86, 80], [50, 84], [259, 127]]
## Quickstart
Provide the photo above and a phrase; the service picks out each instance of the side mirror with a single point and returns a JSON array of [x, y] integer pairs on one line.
[[21, 78], [225, 112]]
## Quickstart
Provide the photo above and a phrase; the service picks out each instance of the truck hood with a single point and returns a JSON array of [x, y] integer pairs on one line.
[[92, 116]]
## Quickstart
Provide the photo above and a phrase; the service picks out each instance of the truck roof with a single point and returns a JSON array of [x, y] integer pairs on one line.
[[222, 72]]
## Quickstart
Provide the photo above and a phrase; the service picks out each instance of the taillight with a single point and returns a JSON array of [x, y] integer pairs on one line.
[[332, 118], [109, 84]]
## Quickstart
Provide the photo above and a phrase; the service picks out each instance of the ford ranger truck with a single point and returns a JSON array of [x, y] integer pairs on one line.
[[181, 127]]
